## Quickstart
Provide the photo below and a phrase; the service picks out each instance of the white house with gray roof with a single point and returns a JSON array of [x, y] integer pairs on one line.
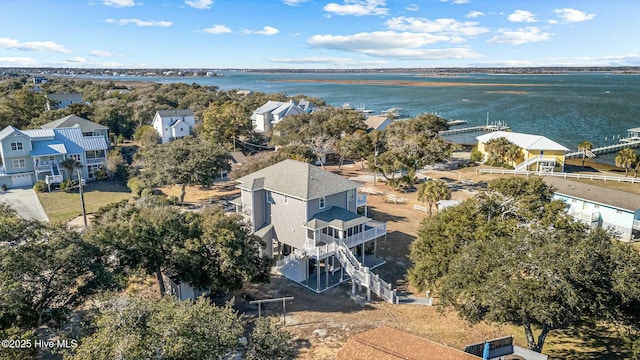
[[61, 101], [600, 207], [309, 221], [266, 116], [173, 124], [31, 155]]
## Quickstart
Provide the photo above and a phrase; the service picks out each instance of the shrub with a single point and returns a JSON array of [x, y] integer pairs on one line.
[[100, 174], [146, 192], [135, 185], [476, 155], [3, 187], [40, 186], [66, 185]]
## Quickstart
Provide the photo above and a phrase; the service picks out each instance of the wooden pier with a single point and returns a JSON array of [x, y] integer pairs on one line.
[[486, 128], [606, 149], [456, 122]]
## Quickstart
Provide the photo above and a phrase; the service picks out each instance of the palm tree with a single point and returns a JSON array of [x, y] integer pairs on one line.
[[497, 149], [584, 147], [433, 191], [625, 159], [70, 165], [512, 153]]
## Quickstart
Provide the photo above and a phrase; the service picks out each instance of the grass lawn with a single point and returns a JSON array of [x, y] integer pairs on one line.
[[61, 206]]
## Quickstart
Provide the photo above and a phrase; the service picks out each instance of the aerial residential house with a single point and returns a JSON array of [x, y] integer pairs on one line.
[[61, 101], [32, 155], [539, 153], [308, 219], [173, 124], [88, 128], [266, 116], [600, 207], [377, 122]]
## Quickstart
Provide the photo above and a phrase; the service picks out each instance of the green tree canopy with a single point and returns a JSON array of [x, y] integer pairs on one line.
[[146, 135], [513, 255], [45, 271], [585, 147], [433, 191], [626, 159], [225, 123], [186, 161]]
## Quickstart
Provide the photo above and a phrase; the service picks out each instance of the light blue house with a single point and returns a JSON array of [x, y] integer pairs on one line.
[[597, 206], [31, 155]]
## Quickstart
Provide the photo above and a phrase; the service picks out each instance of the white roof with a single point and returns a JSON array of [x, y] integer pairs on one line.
[[525, 141]]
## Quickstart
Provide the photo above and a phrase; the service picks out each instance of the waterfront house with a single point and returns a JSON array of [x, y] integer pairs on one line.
[[173, 124], [268, 115], [377, 122], [88, 128], [32, 155], [601, 207], [538, 152], [61, 101], [309, 221]]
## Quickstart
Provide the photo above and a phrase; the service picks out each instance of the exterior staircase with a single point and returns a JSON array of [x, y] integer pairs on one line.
[[361, 275], [523, 166]]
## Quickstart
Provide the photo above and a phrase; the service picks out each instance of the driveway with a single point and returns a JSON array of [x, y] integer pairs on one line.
[[25, 202]]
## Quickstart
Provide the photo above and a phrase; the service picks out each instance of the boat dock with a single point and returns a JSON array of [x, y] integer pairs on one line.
[[456, 122], [606, 149], [486, 128]]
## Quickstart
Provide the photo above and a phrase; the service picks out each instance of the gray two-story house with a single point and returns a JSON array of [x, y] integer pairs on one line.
[[308, 218]]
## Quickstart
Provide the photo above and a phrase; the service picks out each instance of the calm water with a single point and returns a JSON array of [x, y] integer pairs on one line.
[[567, 108]]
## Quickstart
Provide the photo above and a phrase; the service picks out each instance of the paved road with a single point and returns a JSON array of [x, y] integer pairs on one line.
[[25, 202]]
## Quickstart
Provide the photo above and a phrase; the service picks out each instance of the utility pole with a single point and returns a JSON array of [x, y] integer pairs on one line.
[[80, 185]]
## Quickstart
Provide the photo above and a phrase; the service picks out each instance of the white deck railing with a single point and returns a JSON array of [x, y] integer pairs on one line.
[[94, 161], [376, 230], [561, 175], [53, 179]]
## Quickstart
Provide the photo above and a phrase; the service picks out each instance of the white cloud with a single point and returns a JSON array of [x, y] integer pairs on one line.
[[413, 7], [217, 29], [119, 3], [267, 30], [573, 15], [139, 22], [519, 36], [294, 2], [335, 61], [391, 44], [8, 43], [522, 16], [100, 53], [450, 27], [17, 61], [474, 14], [358, 8], [199, 4], [77, 59]]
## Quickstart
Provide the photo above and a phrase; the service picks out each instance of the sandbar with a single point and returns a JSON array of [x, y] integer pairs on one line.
[[400, 82]]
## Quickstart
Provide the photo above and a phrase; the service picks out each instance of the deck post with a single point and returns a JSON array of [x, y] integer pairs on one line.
[[318, 270], [326, 271]]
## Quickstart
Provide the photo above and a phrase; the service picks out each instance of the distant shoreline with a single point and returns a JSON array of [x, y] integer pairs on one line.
[[402, 83]]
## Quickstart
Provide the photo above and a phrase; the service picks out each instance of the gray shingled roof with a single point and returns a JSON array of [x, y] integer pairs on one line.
[[170, 113], [297, 179], [336, 217], [597, 194], [73, 120]]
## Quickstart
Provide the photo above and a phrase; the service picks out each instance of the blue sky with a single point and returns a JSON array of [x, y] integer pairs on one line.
[[318, 33]]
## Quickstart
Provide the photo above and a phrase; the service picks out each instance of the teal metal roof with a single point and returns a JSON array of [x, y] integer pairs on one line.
[[50, 147]]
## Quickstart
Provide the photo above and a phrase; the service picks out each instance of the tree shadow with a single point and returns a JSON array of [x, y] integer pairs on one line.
[[377, 215], [589, 341]]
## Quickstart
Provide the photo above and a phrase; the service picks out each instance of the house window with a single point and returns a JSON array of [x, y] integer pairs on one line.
[[351, 194], [19, 163], [310, 234], [16, 146], [269, 197], [322, 202], [75, 157], [91, 170], [181, 129], [286, 199], [52, 158]]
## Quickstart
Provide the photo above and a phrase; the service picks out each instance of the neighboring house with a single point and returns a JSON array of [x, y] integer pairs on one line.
[[266, 116], [502, 349], [385, 343], [88, 128], [597, 206], [32, 155], [377, 122], [61, 101], [173, 124], [182, 290], [37, 80], [308, 220], [538, 152]]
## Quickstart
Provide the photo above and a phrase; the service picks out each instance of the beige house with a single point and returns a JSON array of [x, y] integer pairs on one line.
[[538, 152]]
